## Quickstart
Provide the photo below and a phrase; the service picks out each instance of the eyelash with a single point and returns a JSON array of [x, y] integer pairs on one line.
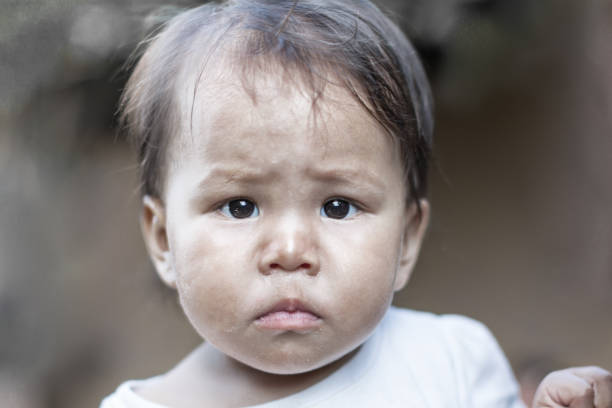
[[252, 210]]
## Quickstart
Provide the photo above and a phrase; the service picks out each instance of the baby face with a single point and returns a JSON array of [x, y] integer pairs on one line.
[[285, 232]]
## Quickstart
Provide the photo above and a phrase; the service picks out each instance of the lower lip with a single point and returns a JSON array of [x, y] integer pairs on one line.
[[297, 320]]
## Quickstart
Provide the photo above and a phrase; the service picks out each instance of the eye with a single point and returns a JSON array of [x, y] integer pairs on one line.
[[338, 209], [240, 208]]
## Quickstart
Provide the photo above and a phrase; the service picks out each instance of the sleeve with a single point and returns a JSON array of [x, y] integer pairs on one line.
[[485, 378]]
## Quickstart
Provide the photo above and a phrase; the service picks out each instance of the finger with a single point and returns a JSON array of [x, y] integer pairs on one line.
[[553, 402], [586, 400], [564, 389], [601, 382]]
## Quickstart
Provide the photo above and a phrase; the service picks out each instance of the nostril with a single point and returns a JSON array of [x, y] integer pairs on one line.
[[305, 266], [274, 266]]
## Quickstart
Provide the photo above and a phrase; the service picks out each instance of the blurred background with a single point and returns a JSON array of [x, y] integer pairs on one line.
[[521, 234]]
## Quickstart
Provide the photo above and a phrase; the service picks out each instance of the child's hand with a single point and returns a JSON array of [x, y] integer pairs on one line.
[[579, 387]]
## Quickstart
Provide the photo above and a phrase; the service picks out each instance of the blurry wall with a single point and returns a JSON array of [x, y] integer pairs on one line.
[[520, 235]]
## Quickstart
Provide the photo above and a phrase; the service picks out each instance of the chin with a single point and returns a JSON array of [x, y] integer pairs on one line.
[[291, 368], [288, 364]]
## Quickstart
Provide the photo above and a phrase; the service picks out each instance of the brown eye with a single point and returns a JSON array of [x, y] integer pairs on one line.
[[338, 209], [240, 208]]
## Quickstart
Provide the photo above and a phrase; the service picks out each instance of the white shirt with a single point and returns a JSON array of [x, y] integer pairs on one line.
[[413, 359]]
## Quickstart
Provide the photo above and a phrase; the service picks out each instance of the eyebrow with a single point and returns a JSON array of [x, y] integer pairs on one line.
[[350, 176], [232, 174]]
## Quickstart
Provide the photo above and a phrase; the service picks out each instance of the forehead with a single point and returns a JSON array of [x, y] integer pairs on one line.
[[215, 96], [272, 124]]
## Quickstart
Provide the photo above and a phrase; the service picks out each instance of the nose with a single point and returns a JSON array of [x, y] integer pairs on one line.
[[289, 245]]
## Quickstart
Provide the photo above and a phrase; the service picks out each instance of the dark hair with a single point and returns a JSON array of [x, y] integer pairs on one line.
[[348, 42]]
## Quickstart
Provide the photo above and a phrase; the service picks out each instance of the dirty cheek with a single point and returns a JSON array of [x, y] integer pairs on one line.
[[208, 289], [369, 273]]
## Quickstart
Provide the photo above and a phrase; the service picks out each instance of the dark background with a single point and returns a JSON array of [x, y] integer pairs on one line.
[[521, 234]]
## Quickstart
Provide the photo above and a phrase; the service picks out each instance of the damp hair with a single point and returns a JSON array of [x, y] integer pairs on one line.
[[349, 43]]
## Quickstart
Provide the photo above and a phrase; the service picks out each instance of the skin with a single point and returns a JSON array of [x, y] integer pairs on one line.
[[272, 151], [578, 387]]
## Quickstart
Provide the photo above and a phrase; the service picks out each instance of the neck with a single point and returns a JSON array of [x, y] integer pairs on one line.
[[208, 370]]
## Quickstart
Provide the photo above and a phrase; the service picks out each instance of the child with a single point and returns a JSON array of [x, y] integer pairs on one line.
[[284, 149]]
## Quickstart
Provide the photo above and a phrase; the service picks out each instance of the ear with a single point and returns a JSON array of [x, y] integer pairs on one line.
[[412, 237], [153, 226]]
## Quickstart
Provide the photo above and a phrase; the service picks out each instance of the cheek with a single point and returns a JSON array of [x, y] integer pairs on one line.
[[371, 252], [366, 261], [209, 282]]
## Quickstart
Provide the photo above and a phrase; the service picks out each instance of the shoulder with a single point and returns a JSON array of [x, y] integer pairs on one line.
[[180, 386], [125, 395], [445, 343], [442, 330], [456, 352]]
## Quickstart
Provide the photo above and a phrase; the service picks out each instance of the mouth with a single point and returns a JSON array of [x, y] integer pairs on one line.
[[289, 315]]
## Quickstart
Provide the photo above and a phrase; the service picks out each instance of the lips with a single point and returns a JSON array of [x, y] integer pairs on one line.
[[289, 315]]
